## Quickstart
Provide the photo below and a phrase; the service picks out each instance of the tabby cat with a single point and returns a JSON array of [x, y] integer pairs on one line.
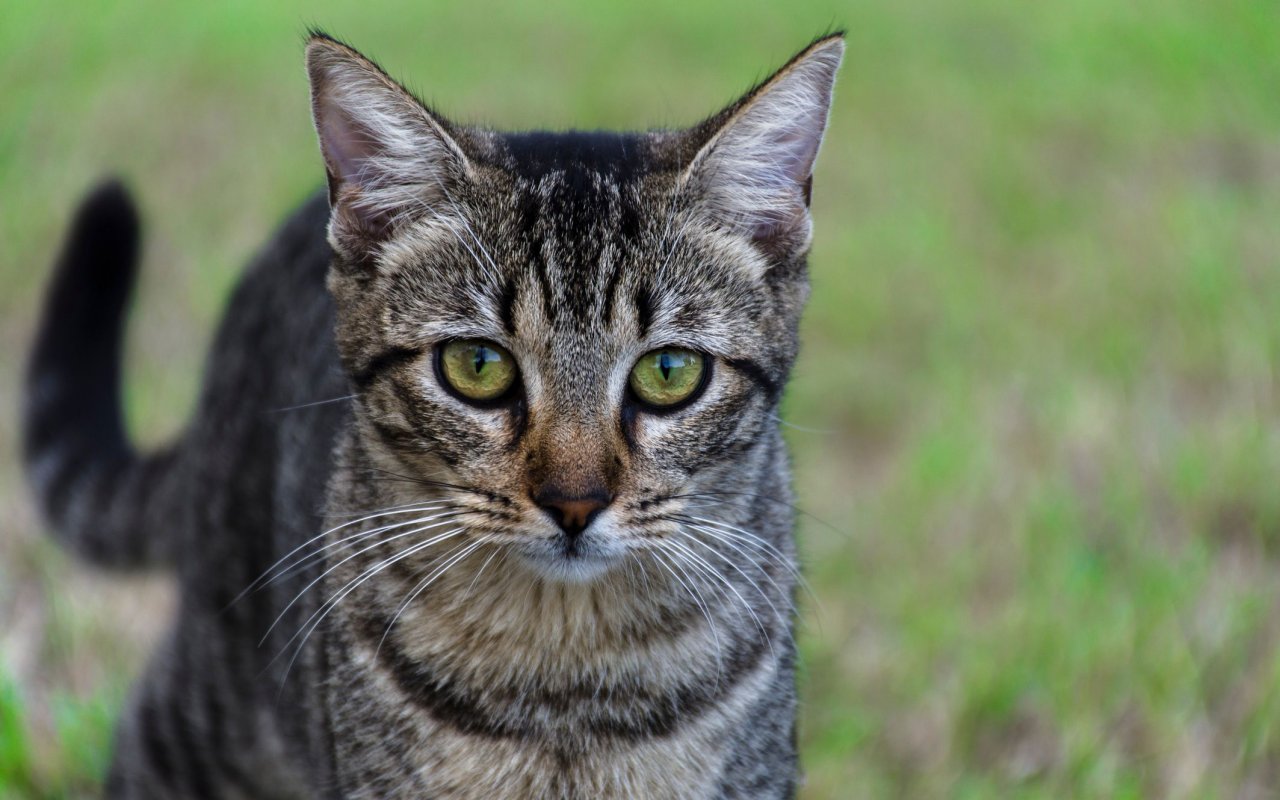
[[485, 495]]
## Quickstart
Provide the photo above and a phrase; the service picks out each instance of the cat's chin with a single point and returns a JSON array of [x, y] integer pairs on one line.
[[565, 567]]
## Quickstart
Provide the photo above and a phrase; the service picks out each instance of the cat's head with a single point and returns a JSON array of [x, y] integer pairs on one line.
[[578, 340]]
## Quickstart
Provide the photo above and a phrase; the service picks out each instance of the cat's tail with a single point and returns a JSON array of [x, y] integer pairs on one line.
[[103, 499]]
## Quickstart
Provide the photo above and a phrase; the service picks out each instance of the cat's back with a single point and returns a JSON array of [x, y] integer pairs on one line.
[[274, 352], [274, 401]]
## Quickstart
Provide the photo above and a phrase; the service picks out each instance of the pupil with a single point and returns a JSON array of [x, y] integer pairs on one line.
[[480, 359], [664, 364]]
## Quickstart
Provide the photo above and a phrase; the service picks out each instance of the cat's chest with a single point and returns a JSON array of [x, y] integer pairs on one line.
[[415, 755], [459, 767], [441, 721]]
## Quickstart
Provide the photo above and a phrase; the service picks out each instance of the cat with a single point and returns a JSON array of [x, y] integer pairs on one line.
[[484, 495]]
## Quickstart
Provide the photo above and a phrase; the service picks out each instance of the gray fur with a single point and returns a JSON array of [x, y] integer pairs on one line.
[[373, 603]]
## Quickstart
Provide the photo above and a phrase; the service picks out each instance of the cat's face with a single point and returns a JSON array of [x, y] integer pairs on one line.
[[577, 340]]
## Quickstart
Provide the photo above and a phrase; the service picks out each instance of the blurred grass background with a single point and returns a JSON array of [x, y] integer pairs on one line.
[[1037, 415]]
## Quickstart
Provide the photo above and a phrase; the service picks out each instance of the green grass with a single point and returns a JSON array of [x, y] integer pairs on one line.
[[1042, 356], [80, 751]]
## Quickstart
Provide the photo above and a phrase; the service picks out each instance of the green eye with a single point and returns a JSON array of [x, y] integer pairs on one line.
[[667, 376], [476, 369]]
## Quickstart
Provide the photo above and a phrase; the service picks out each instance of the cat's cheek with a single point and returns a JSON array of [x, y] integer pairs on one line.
[[427, 428], [722, 431]]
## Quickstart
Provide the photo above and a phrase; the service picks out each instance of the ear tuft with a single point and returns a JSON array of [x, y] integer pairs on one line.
[[388, 158], [754, 174]]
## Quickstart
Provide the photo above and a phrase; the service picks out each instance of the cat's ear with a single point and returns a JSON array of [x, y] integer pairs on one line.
[[389, 158], [754, 172]]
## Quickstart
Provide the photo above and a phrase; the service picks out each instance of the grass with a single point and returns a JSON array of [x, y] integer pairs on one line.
[[1038, 410]]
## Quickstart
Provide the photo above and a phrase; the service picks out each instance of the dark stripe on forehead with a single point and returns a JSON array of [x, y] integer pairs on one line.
[[531, 232], [644, 310], [625, 232], [611, 290], [577, 211], [507, 306], [580, 216]]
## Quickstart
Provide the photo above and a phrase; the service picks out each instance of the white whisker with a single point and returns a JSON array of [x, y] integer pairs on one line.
[[313, 404], [782, 620], [332, 603], [752, 540], [726, 541], [426, 582], [708, 569], [347, 542], [715, 634], [322, 575], [410, 508]]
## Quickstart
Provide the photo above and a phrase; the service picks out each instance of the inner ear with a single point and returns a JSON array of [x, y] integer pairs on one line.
[[754, 174], [350, 148], [389, 158]]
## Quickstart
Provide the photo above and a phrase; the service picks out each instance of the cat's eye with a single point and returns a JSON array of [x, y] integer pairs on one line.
[[476, 369], [667, 377]]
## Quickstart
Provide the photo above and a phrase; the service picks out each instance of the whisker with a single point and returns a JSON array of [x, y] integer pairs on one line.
[[793, 426], [426, 582], [351, 586], [439, 484], [706, 567], [466, 224], [715, 634], [782, 621], [636, 566], [407, 509], [350, 514], [316, 403], [761, 496], [322, 575], [738, 533], [757, 542], [675, 241], [480, 571], [347, 542], [735, 547]]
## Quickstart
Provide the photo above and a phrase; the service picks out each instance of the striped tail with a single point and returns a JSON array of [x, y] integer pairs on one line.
[[104, 501]]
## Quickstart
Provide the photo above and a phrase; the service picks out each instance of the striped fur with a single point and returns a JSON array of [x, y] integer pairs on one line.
[[102, 498], [373, 602]]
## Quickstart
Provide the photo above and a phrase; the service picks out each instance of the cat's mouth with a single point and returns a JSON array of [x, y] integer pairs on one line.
[[572, 559]]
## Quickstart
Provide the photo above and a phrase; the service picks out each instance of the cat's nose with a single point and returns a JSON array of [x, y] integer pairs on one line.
[[572, 514]]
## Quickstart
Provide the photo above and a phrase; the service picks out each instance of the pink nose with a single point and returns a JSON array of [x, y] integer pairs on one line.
[[572, 514]]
